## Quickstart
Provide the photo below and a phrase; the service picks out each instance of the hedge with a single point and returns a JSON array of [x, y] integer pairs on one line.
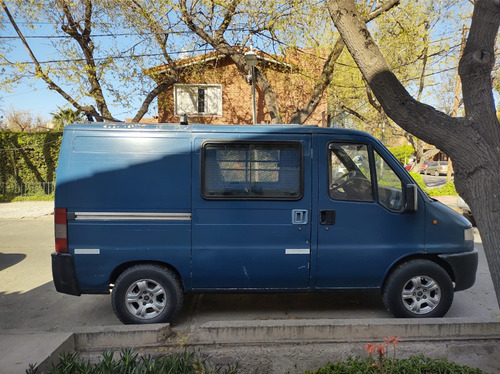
[[28, 158]]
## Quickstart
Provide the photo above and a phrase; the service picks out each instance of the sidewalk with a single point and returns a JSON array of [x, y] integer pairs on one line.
[[26, 209], [450, 201]]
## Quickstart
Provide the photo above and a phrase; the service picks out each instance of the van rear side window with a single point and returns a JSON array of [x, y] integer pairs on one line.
[[252, 170]]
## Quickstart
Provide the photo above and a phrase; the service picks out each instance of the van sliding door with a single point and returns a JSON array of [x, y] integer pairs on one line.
[[251, 213]]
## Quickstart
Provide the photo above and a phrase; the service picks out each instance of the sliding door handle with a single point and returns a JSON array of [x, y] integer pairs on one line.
[[327, 217]]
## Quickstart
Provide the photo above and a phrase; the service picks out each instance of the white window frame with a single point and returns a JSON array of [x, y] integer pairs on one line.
[[190, 92]]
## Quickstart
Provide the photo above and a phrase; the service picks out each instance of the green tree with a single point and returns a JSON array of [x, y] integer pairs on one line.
[[472, 141], [66, 116], [277, 20], [87, 73]]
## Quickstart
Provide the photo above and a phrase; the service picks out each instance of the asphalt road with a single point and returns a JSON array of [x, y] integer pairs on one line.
[[28, 300], [434, 182]]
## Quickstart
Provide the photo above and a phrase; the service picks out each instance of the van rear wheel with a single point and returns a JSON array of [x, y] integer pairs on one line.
[[146, 294], [418, 289]]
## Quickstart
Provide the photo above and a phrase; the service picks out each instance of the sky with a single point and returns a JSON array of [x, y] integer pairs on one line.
[[38, 99], [34, 95]]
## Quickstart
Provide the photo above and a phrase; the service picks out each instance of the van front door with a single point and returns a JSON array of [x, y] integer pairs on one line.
[[251, 213], [362, 227]]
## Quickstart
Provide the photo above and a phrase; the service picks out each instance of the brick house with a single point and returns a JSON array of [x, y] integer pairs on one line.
[[211, 90]]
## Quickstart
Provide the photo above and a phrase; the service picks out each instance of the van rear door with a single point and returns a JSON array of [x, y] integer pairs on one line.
[[251, 213]]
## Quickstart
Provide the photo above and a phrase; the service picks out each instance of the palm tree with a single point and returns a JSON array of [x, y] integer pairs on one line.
[[66, 116]]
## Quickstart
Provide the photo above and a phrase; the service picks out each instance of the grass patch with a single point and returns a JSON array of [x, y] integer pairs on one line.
[[38, 197]]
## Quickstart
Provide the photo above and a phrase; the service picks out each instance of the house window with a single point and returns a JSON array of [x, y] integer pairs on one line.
[[252, 170], [201, 100], [198, 100]]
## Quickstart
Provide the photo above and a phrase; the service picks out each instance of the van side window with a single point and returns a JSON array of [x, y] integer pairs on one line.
[[389, 186], [349, 172], [252, 170]]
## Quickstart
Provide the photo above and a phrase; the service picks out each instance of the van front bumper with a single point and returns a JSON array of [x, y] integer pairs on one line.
[[64, 274], [464, 266]]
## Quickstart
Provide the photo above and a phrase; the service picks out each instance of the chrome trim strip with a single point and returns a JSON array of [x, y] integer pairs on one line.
[[131, 216], [89, 251], [297, 251]]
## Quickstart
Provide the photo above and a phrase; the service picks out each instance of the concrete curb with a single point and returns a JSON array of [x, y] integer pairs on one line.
[[279, 346], [121, 336], [221, 338], [20, 349], [335, 330]]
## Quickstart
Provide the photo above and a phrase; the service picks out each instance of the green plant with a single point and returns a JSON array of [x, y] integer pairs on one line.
[[402, 153], [28, 162], [447, 189], [420, 181], [379, 362], [129, 362]]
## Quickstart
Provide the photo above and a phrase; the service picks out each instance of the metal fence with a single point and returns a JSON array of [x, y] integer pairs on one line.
[[26, 189]]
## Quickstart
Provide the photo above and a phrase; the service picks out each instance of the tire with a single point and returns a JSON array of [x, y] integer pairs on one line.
[[146, 294], [418, 289], [436, 173]]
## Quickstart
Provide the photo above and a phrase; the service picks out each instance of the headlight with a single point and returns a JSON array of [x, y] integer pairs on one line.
[[469, 234]]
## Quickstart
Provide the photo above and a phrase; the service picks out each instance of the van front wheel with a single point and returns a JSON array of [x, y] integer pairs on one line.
[[418, 289], [146, 294]]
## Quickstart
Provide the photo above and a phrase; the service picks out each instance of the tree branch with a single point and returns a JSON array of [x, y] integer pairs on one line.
[[89, 110], [301, 115], [151, 96], [82, 37], [476, 65], [223, 47], [396, 101]]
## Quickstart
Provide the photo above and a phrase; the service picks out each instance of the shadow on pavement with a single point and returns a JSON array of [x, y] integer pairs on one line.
[[10, 259]]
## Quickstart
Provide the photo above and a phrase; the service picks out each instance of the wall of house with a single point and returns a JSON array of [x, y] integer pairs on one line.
[[291, 89]]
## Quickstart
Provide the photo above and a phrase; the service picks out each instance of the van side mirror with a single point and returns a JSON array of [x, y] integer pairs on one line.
[[411, 198]]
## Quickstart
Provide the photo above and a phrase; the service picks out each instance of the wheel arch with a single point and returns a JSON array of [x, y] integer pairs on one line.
[[126, 265], [424, 256]]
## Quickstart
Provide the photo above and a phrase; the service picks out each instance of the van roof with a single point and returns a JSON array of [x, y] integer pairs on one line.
[[203, 128]]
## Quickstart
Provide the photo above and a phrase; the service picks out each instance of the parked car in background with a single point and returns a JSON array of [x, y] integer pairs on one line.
[[424, 166], [466, 212], [437, 168]]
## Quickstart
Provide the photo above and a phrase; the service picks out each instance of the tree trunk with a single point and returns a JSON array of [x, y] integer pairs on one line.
[[473, 142]]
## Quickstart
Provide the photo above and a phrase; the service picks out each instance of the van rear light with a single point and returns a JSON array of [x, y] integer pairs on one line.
[[61, 230]]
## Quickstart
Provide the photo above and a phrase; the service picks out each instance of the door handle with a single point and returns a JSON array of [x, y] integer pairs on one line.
[[299, 217], [327, 217]]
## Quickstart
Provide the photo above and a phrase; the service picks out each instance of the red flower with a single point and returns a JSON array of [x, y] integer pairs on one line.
[[370, 348], [381, 349], [393, 340]]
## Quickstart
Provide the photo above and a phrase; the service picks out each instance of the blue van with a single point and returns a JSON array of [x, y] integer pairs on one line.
[[150, 212]]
